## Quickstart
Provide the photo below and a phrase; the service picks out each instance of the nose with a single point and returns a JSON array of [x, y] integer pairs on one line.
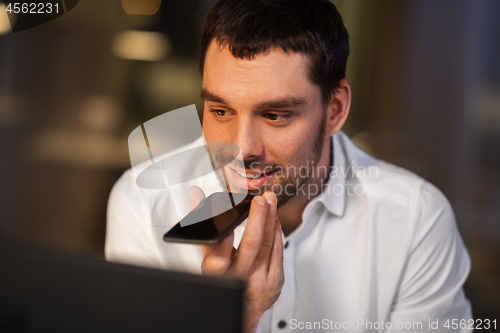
[[247, 136]]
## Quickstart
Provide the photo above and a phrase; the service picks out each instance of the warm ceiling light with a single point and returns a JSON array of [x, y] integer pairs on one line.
[[141, 7], [141, 45]]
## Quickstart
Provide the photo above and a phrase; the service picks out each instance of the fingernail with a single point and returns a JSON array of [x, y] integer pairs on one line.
[[260, 201], [270, 197]]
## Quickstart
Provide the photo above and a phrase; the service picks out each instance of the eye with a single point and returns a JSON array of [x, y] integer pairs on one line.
[[274, 116], [219, 112]]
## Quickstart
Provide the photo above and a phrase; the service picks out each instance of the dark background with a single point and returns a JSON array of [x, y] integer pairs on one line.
[[425, 76]]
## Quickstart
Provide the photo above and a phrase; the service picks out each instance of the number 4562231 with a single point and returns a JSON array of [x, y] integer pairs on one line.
[[32, 8], [478, 324]]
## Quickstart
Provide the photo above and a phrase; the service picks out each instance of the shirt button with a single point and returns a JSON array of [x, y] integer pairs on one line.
[[286, 245], [282, 324]]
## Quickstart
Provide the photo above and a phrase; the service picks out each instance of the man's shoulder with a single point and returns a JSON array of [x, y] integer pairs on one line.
[[382, 180], [127, 187]]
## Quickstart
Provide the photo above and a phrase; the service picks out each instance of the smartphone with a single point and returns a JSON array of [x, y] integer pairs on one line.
[[211, 230]]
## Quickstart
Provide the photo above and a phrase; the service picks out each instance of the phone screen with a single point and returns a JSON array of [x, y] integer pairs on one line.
[[214, 228]]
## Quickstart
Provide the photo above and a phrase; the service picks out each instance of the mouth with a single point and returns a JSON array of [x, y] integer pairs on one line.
[[250, 180], [248, 175]]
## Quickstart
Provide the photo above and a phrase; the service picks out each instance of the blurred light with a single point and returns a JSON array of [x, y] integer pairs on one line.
[[96, 150], [4, 20], [141, 7], [99, 114], [141, 45]]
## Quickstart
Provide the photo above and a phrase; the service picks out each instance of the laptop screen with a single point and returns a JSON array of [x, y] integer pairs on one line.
[[51, 292]]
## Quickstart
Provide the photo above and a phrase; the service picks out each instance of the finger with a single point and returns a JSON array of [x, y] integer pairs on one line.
[[218, 258], [252, 237], [262, 259], [276, 259], [205, 249], [195, 196]]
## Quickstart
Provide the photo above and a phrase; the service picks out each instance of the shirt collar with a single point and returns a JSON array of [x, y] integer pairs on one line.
[[333, 195]]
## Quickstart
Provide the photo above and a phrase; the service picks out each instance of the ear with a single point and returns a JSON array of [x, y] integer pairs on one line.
[[338, 108]]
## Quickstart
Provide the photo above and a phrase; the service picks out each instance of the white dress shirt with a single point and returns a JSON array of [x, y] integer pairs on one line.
[[377, 251]]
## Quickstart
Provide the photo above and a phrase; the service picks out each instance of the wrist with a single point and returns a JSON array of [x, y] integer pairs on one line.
[[250, 324], [251, 317]]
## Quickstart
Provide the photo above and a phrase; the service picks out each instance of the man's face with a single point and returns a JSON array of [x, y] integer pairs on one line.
[[271, 110]]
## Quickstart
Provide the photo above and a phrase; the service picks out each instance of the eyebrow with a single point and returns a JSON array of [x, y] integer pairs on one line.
[[208, 96], [286, 102], [281, 103]]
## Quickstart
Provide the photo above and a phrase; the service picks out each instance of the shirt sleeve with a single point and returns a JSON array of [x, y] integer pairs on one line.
[[127, 240], [436, 268]]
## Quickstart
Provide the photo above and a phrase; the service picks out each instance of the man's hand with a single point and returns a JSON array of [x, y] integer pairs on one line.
[[258, 260]]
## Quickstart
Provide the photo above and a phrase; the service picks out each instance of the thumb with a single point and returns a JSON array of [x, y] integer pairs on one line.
[[195, 196]]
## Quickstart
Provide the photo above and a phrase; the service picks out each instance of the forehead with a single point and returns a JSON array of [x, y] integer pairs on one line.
[[272, 74]]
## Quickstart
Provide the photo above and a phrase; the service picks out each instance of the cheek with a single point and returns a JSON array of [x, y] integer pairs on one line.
[[287, 146], [295, 144], [211, 129]]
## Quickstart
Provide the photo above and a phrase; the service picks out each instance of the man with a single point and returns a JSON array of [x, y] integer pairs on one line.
[[367, 245]]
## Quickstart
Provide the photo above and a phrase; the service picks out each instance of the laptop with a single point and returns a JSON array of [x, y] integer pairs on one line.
[[45, 291]]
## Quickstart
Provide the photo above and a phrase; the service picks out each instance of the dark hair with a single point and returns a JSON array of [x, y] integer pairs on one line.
[[251, 27]]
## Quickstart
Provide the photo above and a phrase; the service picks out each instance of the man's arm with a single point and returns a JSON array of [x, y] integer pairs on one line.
[[437, 266]]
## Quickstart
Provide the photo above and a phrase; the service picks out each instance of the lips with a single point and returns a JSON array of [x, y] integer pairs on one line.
[[244, 174], [249, 180]]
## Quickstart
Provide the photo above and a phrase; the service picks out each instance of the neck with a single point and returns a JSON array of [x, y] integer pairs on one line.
[[290, 214]]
